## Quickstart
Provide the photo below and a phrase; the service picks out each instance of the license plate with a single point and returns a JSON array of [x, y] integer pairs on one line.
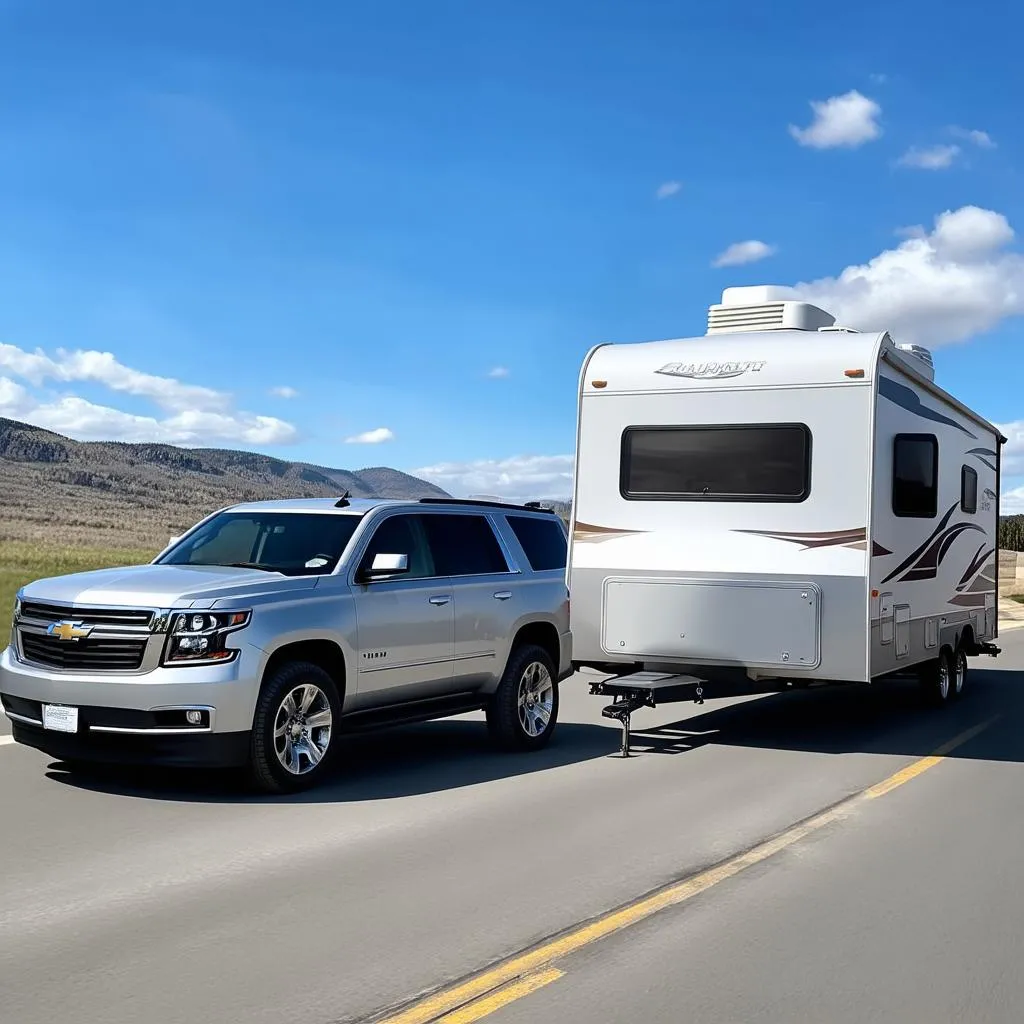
[[60, 718]]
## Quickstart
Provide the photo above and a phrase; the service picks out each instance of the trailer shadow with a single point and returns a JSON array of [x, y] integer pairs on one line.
[[399, 762], [884, 718]]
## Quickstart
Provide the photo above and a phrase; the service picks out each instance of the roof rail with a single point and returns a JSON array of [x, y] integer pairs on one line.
[[531, 506]]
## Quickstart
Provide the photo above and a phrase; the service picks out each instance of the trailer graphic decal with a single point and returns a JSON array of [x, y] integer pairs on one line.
[[907, 398], [983, 455], [924, 563], [977, 581], [586, 533], [836, 538]]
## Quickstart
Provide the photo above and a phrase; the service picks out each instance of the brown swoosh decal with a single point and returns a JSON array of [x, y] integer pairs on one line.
[[589, 533], [829, 539]]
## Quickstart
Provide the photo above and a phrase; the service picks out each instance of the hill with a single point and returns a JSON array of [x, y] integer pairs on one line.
[[123, 495]]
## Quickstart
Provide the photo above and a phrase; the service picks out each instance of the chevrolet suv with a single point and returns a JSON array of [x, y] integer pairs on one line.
[[270, 628]]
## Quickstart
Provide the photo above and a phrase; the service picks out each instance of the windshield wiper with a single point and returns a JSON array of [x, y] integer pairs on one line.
[[252, 565]]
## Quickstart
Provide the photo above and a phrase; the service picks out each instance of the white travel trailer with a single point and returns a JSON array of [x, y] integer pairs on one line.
[[782, 498]]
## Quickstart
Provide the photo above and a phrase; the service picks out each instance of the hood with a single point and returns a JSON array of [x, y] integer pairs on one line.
[[163, 586]]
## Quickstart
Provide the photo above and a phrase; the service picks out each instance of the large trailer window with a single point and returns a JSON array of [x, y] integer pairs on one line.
[[915, 476], [767, 462]]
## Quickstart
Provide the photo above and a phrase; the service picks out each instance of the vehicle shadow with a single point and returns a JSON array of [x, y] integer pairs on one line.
[[398, 762]]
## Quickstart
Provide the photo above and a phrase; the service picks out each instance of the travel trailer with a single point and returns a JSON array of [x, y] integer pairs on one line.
[[785, 499]]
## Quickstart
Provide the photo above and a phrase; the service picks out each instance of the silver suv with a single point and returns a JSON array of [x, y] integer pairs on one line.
[[269, 628]]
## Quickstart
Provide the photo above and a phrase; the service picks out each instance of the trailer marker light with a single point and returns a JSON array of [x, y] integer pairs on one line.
[[599, 383], [854, 373]]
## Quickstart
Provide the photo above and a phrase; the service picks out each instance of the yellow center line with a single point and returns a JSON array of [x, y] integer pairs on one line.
[[496, 1000], [522, 969]]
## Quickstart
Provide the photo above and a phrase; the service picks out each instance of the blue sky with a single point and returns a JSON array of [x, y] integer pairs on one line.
[[378, 205]]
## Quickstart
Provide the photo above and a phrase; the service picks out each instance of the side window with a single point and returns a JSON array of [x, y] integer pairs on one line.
[[968, 490], [915, 474], [463, 545], [401, 535], [541, 539]]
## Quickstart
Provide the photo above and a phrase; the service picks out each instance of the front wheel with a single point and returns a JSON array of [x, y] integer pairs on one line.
[[524, 709], [293, 730]]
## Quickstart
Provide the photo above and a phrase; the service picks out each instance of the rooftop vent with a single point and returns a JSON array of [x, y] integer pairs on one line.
[[765, 308], [920, 358]]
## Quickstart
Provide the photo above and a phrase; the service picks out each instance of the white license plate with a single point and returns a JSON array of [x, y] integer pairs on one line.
[[60, 718]]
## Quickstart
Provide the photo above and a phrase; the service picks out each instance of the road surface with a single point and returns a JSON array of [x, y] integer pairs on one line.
[[169, 898]]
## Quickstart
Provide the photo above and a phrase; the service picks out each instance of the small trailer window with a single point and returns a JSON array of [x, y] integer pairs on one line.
[[968, 490], [915, 476], [749, 462]]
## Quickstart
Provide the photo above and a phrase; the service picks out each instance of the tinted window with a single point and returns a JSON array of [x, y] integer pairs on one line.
[[542, 540], [294, 543], [968, 489], [915, 475], [402, 535], [463, 545], [734, 463]]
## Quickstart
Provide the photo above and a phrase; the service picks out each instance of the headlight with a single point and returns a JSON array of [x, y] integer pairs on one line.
[[201, 636]]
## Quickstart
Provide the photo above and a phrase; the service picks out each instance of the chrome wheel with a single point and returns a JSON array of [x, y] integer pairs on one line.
[[302, 728], [943, 678], [536, 699], [959, 672]]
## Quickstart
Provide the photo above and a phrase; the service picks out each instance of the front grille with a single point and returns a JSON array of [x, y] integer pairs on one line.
[[89, 655], [94, 616]]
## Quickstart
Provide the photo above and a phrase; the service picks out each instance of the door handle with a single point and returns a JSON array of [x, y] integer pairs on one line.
[[440, 599], [503, 595]]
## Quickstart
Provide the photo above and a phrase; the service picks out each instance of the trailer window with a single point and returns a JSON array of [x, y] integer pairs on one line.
[[769, 462], [968, 490], [915, 475]]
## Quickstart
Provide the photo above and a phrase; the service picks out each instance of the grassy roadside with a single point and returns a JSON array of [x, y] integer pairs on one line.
[[22, 562]]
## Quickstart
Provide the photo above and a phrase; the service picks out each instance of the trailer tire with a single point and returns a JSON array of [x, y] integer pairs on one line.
[[936, 678], [959, 668], [523, 711]]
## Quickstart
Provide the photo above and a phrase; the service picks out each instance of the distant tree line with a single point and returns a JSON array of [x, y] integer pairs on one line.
[[1011, 533]]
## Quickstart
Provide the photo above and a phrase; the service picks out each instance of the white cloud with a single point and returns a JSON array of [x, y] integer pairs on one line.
[[932, 158], [1011, 503], [743, 252], [284, 392], [668, 189], [937, 286], [377, 436], [847, 121], [523, 477], [87, 366], [1013, 450], [498, 372], [87, 421], [979, 138], [878, 77]]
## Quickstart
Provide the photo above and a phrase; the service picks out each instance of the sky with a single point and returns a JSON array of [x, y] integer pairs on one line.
[[387, 233]]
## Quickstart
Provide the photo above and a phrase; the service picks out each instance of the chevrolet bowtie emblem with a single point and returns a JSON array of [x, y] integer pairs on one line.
[[68, 630]]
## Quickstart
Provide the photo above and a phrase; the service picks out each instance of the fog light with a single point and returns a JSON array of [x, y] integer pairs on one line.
[[194, 717]]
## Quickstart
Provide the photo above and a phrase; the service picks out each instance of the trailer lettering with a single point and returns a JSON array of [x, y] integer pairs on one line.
[[711, 371]]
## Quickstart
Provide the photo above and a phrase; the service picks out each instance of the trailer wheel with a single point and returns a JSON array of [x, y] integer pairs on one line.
[[524, 709], [959, 679], [936, 679]]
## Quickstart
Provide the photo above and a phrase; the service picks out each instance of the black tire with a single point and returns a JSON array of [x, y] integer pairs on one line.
[[529, 670], [958, 680], [266, 765], [936, 679]]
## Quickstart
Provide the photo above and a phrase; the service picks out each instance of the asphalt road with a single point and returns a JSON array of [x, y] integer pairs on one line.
[[169, 898]]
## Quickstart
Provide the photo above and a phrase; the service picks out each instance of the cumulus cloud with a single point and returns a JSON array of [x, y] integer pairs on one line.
[[973, 135], [846, 121], [522, 477], [1013, 450], [936, 287], [668, 189], [284, 392], [498, 372], [743, 252], [193, 414], [1011, 502], [377, 436], [931, 158]]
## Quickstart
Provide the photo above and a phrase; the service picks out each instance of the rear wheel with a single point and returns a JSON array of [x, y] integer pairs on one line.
[[293, 728], [524, 709], [937, 679], [959, 672]]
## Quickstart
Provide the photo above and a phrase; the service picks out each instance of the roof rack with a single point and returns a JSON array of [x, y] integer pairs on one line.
[[532, 506]]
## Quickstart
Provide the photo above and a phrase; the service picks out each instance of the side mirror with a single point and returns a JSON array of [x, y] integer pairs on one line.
[[385, 566]]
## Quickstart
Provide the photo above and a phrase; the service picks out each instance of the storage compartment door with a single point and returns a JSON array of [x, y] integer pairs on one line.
[[731, 622]]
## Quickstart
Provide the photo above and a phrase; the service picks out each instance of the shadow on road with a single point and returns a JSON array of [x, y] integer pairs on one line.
[[886, 718]]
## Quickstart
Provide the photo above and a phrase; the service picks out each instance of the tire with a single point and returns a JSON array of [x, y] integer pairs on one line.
[[958, 679], [937, 680], [281, 730], [523, 711]]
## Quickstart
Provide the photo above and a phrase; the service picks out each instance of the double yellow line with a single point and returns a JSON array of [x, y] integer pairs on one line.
[[482, 994]]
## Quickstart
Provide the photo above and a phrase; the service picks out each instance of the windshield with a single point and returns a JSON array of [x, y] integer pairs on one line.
[[293, 543]]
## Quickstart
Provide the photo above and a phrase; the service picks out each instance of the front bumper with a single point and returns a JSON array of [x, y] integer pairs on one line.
[[125, 717]]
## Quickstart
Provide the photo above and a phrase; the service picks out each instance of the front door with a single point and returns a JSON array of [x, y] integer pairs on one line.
[[405, 626]]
